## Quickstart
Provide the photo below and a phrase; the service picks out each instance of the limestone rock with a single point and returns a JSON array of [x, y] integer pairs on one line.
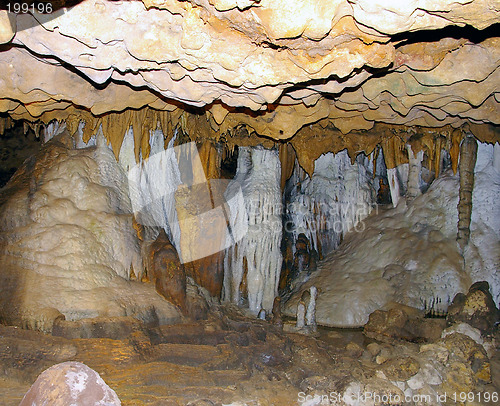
[[401, 369], [386, 326], [426, 329], [110, 327], [477, 308], [467, 352], [370, 269], [403, 322], [70, 383], [7, 29], [283, 60], [71, 246], [459, 378], [465, 329], [166, 271]]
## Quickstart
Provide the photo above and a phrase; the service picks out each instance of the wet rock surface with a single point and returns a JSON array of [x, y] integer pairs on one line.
[[230, 358]]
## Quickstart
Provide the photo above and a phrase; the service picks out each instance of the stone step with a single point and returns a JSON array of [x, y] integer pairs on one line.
[[167, 376], [187, 334], [185, 354]]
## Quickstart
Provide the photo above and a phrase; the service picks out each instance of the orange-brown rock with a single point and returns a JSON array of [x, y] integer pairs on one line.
[[208, 272], [166, 271], [476, 308]]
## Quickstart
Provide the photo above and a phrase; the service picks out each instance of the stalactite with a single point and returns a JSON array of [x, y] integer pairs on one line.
[[468, 155], [438, 145], [52, 129], [496, 156], [331, 202], [152, 185], [413, 188], [114, 127], [456, 138], [287, 159], [392, 178], [210, 159], [5, 124], [393, 149]]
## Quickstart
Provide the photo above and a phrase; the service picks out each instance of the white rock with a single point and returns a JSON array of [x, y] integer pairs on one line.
[[465, 329]]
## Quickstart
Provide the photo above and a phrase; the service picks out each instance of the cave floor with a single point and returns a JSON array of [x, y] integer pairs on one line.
[[226, 359]]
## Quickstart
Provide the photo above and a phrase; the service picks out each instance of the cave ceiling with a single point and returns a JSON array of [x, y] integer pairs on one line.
[[277, 67]]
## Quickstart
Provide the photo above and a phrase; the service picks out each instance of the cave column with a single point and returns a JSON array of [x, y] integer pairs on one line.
[[468, 155], [258, 253], [496, 156]]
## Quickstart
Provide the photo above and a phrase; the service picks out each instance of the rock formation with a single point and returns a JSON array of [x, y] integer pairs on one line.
[[408, 255], [68, 246], [476, 308], [167, 272], [70, 383], [468, 155], [345, 64]]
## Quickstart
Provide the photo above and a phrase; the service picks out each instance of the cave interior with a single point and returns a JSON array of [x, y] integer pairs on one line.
[[249, 202]]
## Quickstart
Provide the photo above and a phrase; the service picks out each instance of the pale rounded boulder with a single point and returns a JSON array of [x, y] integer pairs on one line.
[[70, 383]]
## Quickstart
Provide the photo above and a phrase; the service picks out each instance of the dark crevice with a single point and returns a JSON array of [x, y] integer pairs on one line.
[[470, 33]]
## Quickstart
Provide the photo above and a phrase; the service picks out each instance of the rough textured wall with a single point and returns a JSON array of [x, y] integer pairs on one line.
[[353, 63]]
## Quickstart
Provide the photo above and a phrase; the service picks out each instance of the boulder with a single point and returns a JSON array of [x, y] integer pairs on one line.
[[386, 326], [477, 308], [402, 322], [70, 383], [464, 350]]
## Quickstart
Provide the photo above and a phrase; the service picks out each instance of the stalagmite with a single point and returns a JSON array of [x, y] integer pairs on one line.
[[468, 155], [167, 272], [311, 309], [306, 311], [301, 315], [276, 319], [413, 188]]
